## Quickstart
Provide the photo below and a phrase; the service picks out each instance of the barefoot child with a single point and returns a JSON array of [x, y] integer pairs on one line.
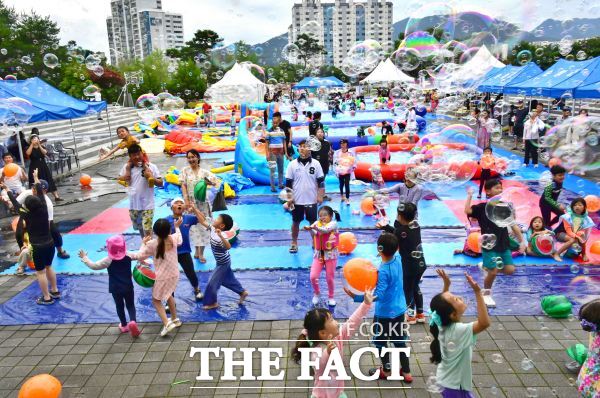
[[127, 140], [344, 163], [326, 240], [118, 265], [499, 258], [389, 307], [164, 251], [588, 382], [536, 228], [452, 347], [577, 225], [222, 274], [322, 331]]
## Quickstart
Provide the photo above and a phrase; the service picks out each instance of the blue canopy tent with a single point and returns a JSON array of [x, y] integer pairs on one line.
[[508, 75], [489, 74], [586, 76], [316, 82], [588, 91], [544, 84], [43, 102]]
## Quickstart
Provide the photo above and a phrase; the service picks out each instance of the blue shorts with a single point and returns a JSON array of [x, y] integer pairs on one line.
[[492, 258]]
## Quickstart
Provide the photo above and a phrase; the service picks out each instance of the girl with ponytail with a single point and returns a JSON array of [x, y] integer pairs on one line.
[[453, 341]]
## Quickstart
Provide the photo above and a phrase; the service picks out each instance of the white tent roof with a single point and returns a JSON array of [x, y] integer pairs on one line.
[[237, 85], [479, 65], [385, 72]]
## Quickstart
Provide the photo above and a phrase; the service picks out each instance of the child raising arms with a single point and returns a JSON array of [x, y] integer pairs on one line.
[[452, 347]]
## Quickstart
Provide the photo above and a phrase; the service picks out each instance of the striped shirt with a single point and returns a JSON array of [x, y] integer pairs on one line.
[[221, 254]]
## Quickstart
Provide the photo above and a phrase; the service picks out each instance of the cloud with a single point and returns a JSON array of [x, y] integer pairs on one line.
[[256, 21]]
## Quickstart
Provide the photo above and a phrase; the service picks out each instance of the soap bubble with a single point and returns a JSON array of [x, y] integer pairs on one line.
[[3, 51], [286, 195], [91, 90], [574, 269], [497, 358], [51, 60], [433, 386], [290, 52], [313, 144], [544, 331], [26, 60], [494, 390], [526, 364], [488, 241], [98, 70], [547, 278], [224, 57], [532, 392], [502, 209], [91, 61], [524, 57], [311, 29], [451, 346], [407, 59], [146, 101]]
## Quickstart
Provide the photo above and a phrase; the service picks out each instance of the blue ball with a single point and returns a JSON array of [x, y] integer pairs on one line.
[[421, 110]]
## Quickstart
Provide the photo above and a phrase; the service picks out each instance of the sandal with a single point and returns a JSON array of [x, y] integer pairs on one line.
[[293, 249], [42, 301], [202, 260], [55, 295]]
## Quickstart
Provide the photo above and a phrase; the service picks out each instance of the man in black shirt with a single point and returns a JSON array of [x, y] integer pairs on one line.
[[386, 128], [322, 155], [315, 124], [520, 114], [286, 127]]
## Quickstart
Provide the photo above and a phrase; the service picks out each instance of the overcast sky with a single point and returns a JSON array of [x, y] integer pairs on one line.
[[256, 21]]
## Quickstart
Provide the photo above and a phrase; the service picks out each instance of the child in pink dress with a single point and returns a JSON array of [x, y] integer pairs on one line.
[[164, 251], [322, 331], [588, 382]]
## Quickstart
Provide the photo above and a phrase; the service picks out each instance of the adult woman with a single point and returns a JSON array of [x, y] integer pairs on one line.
[[37, 156], [189, 177]]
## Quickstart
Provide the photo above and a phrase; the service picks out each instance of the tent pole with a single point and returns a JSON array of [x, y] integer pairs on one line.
[[75, 143], [109, 128], [20, 148]]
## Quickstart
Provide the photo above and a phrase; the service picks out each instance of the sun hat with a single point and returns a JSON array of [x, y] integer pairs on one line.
[[116, 247]]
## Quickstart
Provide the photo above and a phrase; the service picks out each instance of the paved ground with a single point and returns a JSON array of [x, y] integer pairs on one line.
[[94, 360]]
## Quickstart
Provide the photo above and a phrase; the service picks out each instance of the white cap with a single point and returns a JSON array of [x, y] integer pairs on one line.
[[177, 199]]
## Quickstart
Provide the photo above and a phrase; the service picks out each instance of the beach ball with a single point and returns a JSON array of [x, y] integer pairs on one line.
[[144, 276], [592, 203], [11, 170], [360, 274], [41, 386], [421, 110], [554, 162], [85, 180], [348, 243], [543, 245], [367, 206], [474, 242], [595, 247]]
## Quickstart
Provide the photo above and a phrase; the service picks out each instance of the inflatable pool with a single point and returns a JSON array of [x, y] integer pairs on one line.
[[464, 166], [181, 141], [355, 141]]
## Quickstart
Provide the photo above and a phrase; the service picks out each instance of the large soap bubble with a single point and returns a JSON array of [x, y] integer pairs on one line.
[[576, 143], [51, 60]]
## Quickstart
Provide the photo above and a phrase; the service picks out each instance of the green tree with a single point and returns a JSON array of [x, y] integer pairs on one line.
[[201, 43], [187, 81], [309, 49], [75, 79], [155, 69]]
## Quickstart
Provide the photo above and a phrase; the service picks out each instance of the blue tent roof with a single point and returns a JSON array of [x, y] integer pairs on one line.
[[509, 75], [586, 76], [47, 102], [315, 82], [544, 84], [588, 91]]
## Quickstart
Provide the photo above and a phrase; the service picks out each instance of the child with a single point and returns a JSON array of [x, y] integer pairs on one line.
[[577, 225], [233, 123], [588, 381], [487, 163], [322, 331], [118, 265], [344, 163], [549, 199], [472, 226], [184, 256], [384, 152], [413, 262], [390, 306], [536, 228], [336, 110], [127, 141], [222, 275], [164, 251], [499, 258], [410, 191], [326, 240], [452, 347]]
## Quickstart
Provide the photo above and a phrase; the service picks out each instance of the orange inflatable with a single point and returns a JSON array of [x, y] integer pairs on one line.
[[41, 386], [348, 243], [11, 170], [474, 242], [181, 141], [85, 180], [360, 274], [367, 206], [592, 203], [595, 248]]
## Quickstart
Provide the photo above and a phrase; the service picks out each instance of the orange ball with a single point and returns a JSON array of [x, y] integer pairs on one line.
[[595, 248], [85, 180], [360, 274], [592, 203], [347, 243], [554, 162], [474, 242], [367, 206], [11, 170], [31, 265], [41, 386]]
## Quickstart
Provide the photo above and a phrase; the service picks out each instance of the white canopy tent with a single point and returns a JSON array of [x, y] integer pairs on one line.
[[237, 85], [477, 67], [386, 72]]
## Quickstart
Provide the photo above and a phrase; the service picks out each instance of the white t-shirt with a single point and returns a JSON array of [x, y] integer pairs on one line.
[[14, 183], [305, 177], [141, 196], [98, 97], [28, 192]]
